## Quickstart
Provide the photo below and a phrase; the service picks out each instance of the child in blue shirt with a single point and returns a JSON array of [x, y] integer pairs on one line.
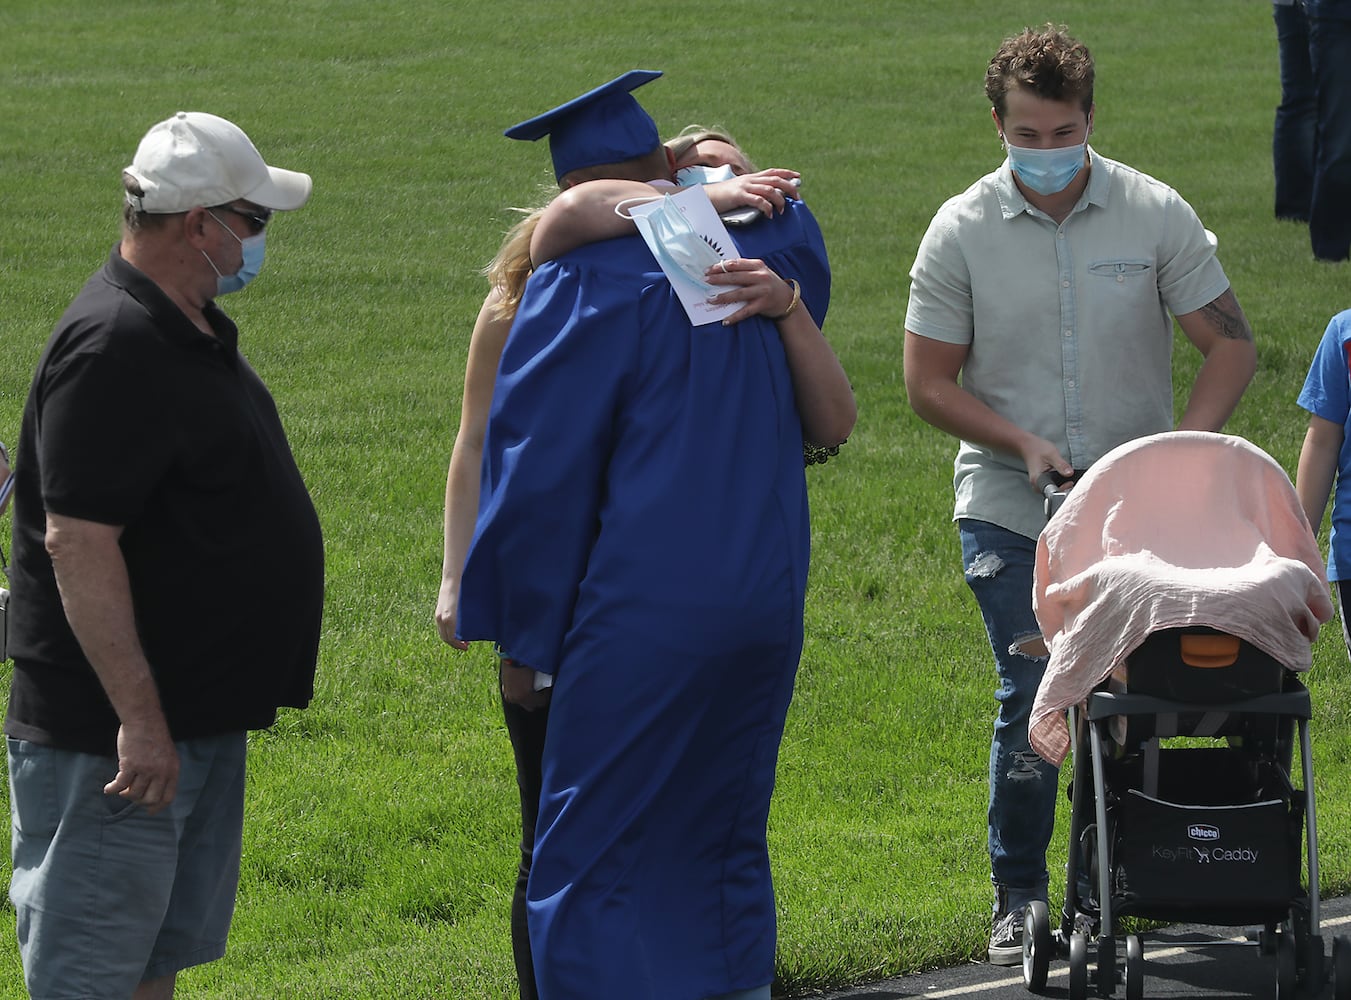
[[1325, 458]]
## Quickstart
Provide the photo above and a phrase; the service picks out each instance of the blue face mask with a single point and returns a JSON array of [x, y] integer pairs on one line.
[[700, 174], [1047, 171], [253, 248], [674, 240]]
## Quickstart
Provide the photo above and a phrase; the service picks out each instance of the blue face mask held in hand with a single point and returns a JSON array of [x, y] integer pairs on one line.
[[687, 239], [675, 241]]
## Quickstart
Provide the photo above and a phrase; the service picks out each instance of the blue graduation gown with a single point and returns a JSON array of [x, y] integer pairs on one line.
[[643, 536]]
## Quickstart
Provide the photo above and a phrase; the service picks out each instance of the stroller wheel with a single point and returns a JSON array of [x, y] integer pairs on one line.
[[1037, 945], [1341, 969], [1266, 939], [1285, 967], [1135, 967], [1078, 966]]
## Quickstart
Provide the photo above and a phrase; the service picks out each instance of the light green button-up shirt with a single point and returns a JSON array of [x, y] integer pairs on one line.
[[1069, 328]]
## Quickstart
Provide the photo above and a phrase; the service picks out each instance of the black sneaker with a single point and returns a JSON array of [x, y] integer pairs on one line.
[[1006, 940]]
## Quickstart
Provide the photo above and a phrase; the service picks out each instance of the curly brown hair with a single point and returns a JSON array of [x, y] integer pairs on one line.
[[1048, 62]]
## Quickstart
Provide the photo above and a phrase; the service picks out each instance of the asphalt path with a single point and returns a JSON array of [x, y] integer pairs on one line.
[[1218, 971]]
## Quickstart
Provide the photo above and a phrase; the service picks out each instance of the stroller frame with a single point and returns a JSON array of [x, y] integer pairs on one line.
[[1291, 930]]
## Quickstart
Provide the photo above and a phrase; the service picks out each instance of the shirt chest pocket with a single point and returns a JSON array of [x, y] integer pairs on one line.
[[1122, 271]]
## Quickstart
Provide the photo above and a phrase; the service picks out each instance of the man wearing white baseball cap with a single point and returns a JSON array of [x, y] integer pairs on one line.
[[167, 582]]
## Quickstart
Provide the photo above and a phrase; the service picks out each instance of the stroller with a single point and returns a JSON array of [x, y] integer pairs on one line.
[[1179, 588]]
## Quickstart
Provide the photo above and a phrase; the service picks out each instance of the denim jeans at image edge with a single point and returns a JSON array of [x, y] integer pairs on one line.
[[1023, 787], [1292, 137], [1330, 56]]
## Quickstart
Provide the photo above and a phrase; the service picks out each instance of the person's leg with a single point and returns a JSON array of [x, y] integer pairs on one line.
[[156, 989], [88, 902], [122, 900], [1292, 138], [208, 817], [1330, 55], [1023, 787], [525, 729]]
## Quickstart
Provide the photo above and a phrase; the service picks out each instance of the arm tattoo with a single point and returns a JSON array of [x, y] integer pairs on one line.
[[1226, 316]]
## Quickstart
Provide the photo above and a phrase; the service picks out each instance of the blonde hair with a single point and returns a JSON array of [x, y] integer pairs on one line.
[[691, 135], [508, 271]]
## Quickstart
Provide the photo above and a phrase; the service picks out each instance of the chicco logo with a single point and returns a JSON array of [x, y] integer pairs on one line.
[[1200, 831]]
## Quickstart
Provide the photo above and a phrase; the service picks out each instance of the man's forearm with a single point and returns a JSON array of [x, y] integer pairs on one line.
[[584, 214], [955, 411], [91, 575], [1221, 332], [1219, 385]]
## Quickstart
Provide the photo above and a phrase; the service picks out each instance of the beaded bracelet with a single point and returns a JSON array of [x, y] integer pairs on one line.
[[797, 297]]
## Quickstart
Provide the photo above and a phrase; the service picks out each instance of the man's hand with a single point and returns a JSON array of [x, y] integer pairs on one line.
[[1041, 456], [147, 767]]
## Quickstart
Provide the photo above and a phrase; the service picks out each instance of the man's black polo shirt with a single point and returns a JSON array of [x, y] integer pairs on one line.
[[137, 418]]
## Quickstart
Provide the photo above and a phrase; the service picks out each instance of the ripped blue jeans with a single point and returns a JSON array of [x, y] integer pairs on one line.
[[1023, 787]]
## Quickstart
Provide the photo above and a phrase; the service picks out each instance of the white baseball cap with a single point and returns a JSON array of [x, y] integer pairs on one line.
[[197, 159]]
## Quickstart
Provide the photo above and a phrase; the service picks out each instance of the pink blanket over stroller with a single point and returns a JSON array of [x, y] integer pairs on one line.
[[1176, 529]]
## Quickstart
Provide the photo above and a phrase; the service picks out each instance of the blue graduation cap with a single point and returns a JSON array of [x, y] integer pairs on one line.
[[604, 125]]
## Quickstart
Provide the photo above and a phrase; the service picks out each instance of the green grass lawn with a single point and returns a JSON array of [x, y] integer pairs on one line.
[[379, 849]]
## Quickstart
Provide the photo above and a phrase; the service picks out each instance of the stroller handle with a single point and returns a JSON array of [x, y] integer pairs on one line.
[[1049, 484], [1051, 480]]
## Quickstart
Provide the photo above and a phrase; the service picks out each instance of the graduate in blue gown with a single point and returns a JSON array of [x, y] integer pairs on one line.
[[643, 540]]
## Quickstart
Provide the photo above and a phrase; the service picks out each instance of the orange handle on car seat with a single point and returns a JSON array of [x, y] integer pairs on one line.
[[1209, 650]]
